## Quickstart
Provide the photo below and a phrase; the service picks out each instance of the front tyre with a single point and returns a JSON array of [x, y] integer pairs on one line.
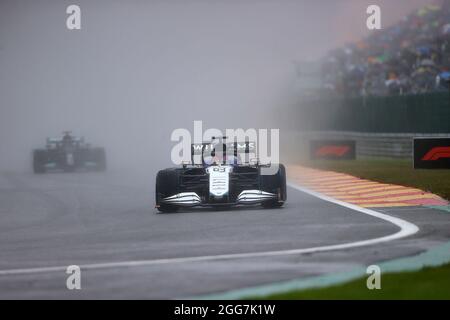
[[166, 185], [165, 208], [100, 159], [275, 184]]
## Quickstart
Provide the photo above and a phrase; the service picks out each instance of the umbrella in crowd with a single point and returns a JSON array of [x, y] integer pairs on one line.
[[410, 57]]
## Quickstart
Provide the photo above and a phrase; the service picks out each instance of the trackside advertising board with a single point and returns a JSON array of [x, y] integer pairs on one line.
[[432, 153], [333, 149]]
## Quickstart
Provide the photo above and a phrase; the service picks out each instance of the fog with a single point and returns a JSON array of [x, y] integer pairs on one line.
[[137, 70]]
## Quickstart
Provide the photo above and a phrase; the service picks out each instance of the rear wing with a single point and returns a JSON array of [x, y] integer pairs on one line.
[[59, 140], [53, 142], [243, 151]]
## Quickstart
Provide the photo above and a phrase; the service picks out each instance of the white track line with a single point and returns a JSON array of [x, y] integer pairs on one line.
[[406, 229]]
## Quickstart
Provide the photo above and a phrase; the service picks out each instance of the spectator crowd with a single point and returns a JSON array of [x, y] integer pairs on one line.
[[410, 57]]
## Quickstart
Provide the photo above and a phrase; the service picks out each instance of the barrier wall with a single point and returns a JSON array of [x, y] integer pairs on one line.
[[424, 114]]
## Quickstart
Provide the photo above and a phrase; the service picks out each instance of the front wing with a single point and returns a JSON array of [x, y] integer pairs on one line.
[[246, 197]]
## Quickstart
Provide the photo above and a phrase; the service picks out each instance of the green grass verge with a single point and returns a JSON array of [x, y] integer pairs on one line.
[[391, 171], [429, 283]]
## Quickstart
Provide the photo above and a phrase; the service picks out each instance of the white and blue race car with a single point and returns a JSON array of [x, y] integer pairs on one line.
[[221, 178]]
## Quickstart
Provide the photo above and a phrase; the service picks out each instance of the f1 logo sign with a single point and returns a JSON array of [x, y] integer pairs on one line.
[[433, 153], [337, 151], [333, 149], [437, 153]]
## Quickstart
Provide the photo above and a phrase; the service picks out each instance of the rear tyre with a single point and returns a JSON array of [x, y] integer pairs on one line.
[[167, 182], [275, 184], [100, 158], [39, 161]]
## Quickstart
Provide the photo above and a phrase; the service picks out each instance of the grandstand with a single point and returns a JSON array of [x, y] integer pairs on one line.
[[410, 57]]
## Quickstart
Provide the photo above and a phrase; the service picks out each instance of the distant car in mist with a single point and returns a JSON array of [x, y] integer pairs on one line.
[[68, 153]]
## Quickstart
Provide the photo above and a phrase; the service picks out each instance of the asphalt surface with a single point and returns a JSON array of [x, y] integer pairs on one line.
[[89, 218]]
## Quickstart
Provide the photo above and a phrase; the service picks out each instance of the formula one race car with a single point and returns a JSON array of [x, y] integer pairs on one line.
[[68, 154], [221, 178]]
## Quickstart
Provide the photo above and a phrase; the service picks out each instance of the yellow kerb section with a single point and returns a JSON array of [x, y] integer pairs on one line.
[[364, 193]]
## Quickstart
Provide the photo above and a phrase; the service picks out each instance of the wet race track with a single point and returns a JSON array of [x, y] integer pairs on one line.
[[106, 224]]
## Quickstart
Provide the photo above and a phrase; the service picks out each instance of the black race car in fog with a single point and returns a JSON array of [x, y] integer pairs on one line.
[[224, 177], [68, 154]]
